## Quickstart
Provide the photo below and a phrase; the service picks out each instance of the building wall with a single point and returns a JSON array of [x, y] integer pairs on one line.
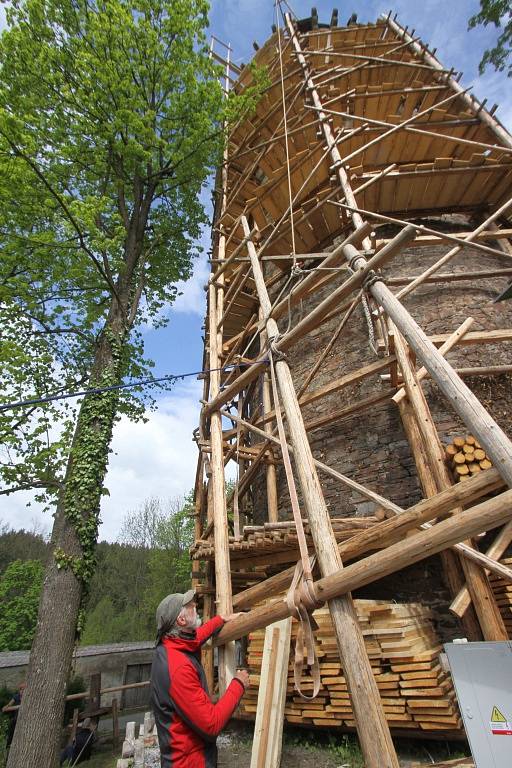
[[111, 663]]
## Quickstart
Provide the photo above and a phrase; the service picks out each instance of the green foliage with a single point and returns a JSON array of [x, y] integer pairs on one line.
[[4, 724], [499, 13], [132, 576], [169, 567], [346, 748], [6, 695], [20, 589], [20, 545]]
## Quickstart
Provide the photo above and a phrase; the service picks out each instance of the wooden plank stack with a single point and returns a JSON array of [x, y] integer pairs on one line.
[[466, 457], [404, 654], [503, 593], [273, 538]]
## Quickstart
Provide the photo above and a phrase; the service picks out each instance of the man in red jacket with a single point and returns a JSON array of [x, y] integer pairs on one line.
[[187, 720]]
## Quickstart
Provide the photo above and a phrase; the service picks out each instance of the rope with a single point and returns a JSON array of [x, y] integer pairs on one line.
[[371, 278], [236, 512], [301, 597], [80, 753], [369, 323]]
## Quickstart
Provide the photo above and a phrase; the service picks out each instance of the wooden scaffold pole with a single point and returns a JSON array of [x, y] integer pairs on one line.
[[217, 481], [372, 726]]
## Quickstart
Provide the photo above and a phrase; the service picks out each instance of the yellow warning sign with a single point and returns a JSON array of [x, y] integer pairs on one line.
[[497, 716]]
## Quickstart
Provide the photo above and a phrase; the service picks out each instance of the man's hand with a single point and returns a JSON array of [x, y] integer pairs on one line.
[[231, 616], [243, 676]]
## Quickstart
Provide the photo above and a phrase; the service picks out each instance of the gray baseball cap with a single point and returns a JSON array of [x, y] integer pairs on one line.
[[169, 608]]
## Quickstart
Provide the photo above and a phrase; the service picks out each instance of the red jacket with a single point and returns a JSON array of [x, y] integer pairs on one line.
[[187, 720]]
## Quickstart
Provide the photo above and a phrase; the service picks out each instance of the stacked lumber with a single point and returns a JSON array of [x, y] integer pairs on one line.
[[279, 537], [404, 653], [466, 457], [503, 593]]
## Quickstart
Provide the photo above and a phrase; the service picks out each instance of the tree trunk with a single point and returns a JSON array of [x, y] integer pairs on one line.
[[36, 740]]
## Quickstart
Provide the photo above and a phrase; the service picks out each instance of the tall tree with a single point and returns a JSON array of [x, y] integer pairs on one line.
[[169, 566], [499, 13], [111, 118]]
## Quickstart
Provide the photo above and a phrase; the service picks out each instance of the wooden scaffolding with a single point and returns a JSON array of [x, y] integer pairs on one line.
[[366, 190]]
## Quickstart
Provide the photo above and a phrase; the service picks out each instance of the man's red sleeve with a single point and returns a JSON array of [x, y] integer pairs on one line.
[[209, 628], [194, 706]]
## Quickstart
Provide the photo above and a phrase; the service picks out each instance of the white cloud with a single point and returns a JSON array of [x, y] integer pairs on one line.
[[193, 295], [15, 512], [156, 458]]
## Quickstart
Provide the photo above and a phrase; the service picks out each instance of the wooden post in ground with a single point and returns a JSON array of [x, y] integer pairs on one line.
[[94, 699], [271, 474], [268, 725], [220, 518], [74, 725], [451, 567], [372, 727], [482, 596], [115, 723], [218, 496]]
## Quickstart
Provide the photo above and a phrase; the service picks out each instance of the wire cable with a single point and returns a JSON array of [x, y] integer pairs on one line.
[[127, 385]]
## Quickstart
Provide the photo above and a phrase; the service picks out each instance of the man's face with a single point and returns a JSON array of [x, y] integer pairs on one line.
[[189, 618]]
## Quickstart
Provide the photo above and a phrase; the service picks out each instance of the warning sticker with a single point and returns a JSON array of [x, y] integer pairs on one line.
[[500, 726]]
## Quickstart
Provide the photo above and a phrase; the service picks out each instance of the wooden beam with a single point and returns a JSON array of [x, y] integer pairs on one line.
[[483, 115], [355, 486], [422, 131], [454, 338], [268, 726], [479, 422], [271, 475], [387, 532], [497, 549], [483, 517], [444, 259], [318, 314], [469, 238], [453, 277], [422, 240]]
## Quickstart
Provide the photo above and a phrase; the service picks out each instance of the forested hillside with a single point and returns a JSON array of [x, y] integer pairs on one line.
[[149, 560]]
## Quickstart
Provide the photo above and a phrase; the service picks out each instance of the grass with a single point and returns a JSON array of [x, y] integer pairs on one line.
[[344, 747], [103, 757]]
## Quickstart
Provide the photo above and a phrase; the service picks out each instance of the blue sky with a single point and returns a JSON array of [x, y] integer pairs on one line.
[[159, 458]]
